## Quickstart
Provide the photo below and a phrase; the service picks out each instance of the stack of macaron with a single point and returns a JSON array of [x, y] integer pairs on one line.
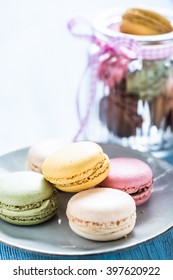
[[94, 213], [105, 192]]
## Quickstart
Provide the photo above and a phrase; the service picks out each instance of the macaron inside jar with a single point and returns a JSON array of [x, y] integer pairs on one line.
[[140, 21]]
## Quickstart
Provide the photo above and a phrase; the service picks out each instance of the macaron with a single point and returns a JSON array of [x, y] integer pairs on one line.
[[130, 175], [78, 166], [101, 214], [26, 198], [38, 152], [144, 22]]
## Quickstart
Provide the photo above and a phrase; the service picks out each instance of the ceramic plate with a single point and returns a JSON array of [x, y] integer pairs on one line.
[[56, 238]]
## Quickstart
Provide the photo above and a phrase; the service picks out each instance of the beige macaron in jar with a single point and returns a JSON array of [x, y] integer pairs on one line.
[[130, 98]]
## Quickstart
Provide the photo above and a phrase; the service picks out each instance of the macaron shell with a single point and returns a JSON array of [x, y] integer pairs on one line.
[[101, 214], [74, 157], [128, 173], [24, 187]]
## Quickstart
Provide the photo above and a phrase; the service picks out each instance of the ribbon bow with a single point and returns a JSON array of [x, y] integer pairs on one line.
[[109, 63]]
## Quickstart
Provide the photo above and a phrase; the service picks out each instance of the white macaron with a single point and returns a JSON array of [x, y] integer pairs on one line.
[[101, 214]]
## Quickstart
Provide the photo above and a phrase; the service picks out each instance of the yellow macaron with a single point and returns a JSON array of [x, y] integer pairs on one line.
[[77, 166], [144, 22]]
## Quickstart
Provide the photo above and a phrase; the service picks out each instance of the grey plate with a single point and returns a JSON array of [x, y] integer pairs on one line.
[[55, 237]]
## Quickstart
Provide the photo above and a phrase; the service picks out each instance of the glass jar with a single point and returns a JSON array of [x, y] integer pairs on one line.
[[130, 100]]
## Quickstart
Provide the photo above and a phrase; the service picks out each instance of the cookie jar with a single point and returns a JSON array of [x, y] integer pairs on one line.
[[129, 98]]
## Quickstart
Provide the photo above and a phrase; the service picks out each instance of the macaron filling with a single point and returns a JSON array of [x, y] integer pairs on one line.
[[102, 228], [140, 194], [142, 190], [138, 190]]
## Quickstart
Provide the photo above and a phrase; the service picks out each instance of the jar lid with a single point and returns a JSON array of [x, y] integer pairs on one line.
[[107, 23]]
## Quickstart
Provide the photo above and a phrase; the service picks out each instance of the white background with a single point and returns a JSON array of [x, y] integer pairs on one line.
[[41, 64]]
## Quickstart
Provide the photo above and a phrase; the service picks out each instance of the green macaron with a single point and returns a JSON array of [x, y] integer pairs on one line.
[[26, 198]]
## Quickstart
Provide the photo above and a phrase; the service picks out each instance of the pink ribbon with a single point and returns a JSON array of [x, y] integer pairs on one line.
[[109, 63]]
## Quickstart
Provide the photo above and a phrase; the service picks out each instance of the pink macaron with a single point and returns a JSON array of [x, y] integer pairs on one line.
[[130, 175]]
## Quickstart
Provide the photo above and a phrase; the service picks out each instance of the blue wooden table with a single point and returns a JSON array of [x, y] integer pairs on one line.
[[159, 248]]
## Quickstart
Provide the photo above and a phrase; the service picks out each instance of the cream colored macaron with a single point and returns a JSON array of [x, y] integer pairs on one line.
[[101, 214], [77, 166], [39, 151]]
